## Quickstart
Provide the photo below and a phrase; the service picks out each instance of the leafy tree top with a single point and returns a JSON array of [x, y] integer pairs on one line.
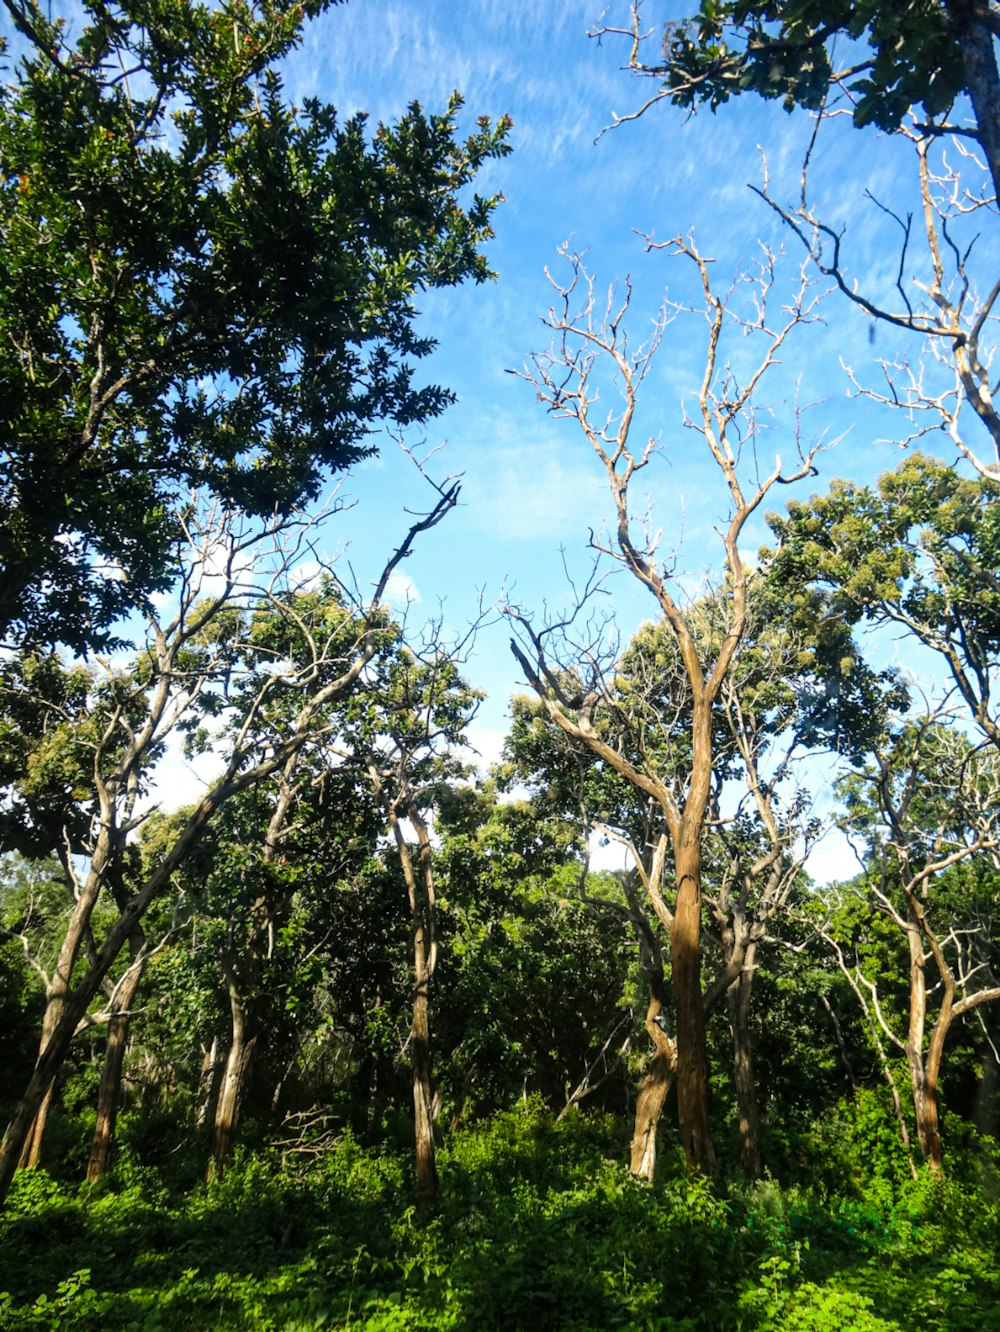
[[203, 286], [898, 55], [891, 58]]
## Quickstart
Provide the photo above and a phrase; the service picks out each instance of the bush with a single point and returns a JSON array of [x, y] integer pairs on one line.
[[539, 1226]]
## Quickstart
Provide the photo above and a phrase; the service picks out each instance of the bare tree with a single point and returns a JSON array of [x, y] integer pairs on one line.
[[945, 289], [591, 345], [942, 294]]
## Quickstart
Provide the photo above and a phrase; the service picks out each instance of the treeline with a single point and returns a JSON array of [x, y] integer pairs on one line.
[[347, 927]]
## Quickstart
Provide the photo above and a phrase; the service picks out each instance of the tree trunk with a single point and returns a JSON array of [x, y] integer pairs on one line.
[[109, 1092], [31, 1149], [925, 1106], [923, 1073], [738, 998], [37, 1096], [655, 1085], [420, 890], [235, 1078], [981, 80], [692, 1056], [653, 1092], [423, 1114], [31, 1153], [208, 1087]]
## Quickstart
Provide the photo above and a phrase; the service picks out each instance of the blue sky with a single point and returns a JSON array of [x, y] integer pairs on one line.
[[531, 489]]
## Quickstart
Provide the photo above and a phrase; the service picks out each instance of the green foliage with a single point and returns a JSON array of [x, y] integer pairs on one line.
[[203, 286], [785, 49], [919, 550], [538, 1226]]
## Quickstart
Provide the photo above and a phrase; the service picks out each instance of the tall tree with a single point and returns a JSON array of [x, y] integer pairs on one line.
[[590, 348], [405, 742], [203, 285], [255, 861], [925, 807]]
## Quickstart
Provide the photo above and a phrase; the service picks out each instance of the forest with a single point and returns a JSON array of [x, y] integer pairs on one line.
[[368, 1031]]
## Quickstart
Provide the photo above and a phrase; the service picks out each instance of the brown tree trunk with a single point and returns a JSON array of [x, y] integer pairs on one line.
[[235, 1078], [66, 1007], [37, 1094], [423, 1113], [923, 1075], [656, 1082], [109, 1091], [925, 1106], [653, 1092], [692, 1055], [31, 1150], [31, 1153], [738, 1000], [424, 955]]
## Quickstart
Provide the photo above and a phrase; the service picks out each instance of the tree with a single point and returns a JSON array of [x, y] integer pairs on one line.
[[573, 678], [188, 664], [945, 290], [535, 994], [771, 706], [918, 552], [203, 286], [570, 781], [921, 53], [256, 853], [405, 743], [923, 805]]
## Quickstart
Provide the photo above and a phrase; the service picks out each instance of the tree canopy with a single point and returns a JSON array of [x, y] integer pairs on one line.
[[203, 286], [888, 56], [305, 1017]]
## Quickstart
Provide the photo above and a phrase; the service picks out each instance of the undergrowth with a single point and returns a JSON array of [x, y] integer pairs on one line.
[[538, 1226]]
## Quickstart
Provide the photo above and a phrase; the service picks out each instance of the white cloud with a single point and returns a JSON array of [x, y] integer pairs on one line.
[[178, 781], [485, 745], [833, 860], [401, 591]]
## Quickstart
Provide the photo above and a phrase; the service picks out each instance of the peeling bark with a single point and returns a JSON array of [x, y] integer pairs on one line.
[[653, 1089], [235, 1078], [31, 1154]]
